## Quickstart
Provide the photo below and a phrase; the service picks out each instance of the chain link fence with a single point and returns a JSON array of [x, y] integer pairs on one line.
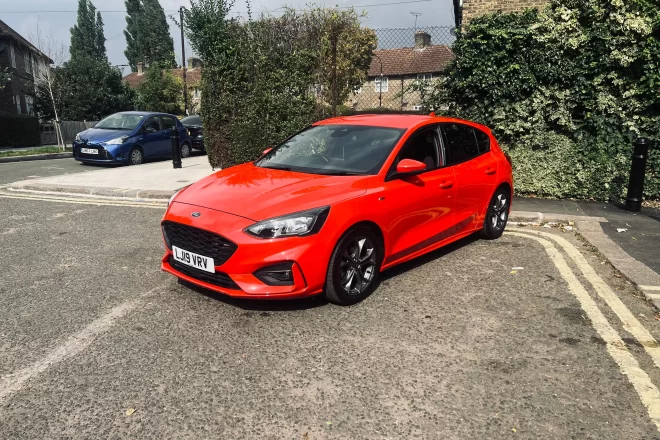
[[403, 57]]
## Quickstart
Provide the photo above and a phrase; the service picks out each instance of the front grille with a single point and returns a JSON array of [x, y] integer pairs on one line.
[[103, 153], [217, 279], [199, 241]]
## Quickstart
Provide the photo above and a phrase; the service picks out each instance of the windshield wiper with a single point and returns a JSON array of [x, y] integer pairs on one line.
[[283, 168], [340, 173]]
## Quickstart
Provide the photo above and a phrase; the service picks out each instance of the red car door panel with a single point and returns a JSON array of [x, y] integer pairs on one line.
[[476, 172]]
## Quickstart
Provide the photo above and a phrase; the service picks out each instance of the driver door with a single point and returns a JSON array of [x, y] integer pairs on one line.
[[418, 210], [153, 140]]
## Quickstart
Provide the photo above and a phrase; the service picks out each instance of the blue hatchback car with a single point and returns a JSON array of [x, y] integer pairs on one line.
[[130, 138]]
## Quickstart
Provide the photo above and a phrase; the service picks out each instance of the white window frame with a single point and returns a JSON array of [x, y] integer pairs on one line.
[[424, 76], [384, 87], [13, 54], [29, 104], [28, 62], [17, 100]]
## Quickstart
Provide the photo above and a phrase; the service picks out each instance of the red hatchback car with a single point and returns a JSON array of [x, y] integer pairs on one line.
[[337, 203]]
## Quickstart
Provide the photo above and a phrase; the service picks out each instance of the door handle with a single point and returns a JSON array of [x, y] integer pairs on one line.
[[490, 171], [446, 185]]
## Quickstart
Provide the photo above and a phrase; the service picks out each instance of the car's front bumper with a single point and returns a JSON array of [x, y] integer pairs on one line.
[[105, 155], [308, 257]]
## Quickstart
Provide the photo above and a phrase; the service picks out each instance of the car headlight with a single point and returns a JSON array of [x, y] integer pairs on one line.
[[296, 224], [117, 141], [78, 137]]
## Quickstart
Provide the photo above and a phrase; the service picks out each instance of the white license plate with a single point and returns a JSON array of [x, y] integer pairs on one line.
[[89, 150], [194, 260]]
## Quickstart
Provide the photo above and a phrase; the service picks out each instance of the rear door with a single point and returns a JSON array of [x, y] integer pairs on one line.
[[418, 210], [169, 122], [475, 168]]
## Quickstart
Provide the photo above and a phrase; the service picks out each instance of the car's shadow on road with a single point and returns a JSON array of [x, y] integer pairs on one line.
[[260, 305], [276, 305], [427, 258]]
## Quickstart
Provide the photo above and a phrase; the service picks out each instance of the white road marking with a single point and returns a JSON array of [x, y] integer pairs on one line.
[[13, 383], [630, 323], [80, 201], [647, 391], [649, 287]]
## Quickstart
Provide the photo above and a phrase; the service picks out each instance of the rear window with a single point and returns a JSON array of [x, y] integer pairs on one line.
[[192, 120], [483, 141]]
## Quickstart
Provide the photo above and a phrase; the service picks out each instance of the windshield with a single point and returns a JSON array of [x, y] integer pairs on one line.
[[120, 121], [192, 120], [334, 149]]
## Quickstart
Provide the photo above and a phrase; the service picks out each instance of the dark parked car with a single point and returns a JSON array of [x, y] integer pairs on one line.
[[194, 125], [130, 138]]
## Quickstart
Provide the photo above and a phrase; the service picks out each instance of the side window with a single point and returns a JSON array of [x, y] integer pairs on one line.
[[483, 141], [168, 122], [153, 123], [423, 147], [461, 144]]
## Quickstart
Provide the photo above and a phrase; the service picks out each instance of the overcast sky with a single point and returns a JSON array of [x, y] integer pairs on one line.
[[26, 15]]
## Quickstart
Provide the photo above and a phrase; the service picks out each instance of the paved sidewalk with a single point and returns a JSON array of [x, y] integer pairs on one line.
[[157, 180]]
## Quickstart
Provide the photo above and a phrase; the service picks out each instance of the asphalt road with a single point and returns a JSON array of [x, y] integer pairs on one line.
[[15, 171], [96, 342]]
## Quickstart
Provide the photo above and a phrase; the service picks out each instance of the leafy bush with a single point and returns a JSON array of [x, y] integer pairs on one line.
[[160, 91], [259, 76], [19, 130], [565, 91]]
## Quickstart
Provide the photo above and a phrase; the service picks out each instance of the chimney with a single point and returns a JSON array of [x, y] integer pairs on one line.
[[422, 39], [140, 67]]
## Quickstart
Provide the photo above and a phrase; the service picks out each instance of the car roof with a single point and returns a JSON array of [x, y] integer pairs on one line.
[[395, 120], [137, 113]]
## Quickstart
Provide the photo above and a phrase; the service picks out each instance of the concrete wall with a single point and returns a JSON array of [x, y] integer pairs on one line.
[[474, 8]]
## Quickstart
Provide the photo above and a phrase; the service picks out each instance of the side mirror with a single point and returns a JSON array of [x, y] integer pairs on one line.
[[410, 167], [149, 130]]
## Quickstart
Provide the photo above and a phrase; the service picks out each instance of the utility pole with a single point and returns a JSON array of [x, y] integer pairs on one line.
[[183, 64], [416, 14]]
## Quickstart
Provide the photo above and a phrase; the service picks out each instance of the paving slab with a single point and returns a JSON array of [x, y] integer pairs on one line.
[[157, 180]]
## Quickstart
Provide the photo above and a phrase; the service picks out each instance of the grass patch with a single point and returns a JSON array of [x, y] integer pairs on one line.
[[33, 151]]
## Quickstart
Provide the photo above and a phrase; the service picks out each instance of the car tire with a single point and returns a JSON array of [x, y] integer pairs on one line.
[[185, 151], [354, 267], [135, 156], [497, 214]]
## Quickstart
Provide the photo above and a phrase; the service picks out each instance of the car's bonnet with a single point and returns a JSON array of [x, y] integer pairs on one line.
[[101, 135], [260, 193]]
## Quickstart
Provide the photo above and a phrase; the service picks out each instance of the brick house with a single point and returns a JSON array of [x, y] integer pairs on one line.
[[392, 71], [26, 65], [464, 10], [193, 78]]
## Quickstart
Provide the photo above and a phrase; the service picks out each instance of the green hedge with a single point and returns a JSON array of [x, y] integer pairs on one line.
[[565, 90], [19, 131]]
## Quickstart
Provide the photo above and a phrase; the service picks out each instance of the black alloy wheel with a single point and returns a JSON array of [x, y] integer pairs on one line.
[[354, 267], [497, 214]]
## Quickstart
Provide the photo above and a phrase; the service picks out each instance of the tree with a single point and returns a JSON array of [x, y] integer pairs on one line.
[[344, 50], [86, 88], [160, 91], [134, 52], [46, 100], [87, 38], [148, 34]]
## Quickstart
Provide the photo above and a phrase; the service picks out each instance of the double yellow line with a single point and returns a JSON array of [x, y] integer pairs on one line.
[[640, 380]]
